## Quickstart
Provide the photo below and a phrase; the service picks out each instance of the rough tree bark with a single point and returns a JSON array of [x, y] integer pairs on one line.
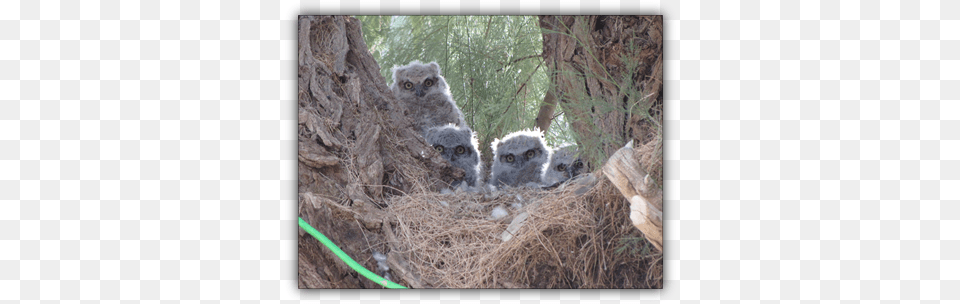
[[545, 115], [603, 68], [356, 146], [588, 59]]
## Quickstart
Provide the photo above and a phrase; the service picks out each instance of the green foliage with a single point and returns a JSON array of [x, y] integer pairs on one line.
[[630, 100], [633, 246], [375, 30], [492, 64]]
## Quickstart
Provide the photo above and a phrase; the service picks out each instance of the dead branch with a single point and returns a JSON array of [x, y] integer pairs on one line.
[[646, 200]]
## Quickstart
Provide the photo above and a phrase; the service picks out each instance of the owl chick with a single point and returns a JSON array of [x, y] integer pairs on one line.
[[426, 96], [518, 159], [564, 165], [458, 145]]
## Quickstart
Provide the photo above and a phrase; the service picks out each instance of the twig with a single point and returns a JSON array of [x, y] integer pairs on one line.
[[519, 59]]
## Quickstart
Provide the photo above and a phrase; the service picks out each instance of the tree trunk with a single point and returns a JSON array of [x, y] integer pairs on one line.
[[356, 146], [607, 71], [545, 116]]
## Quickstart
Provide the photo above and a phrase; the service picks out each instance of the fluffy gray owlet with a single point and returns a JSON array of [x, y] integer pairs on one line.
[[519, 158], [426, 96], [458, 146], [564, 165]]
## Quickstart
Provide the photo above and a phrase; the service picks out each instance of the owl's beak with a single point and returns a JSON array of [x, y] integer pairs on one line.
[[419, 91]]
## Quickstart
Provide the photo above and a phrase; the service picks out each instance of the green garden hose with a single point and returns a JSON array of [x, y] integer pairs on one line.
[[346, 258]]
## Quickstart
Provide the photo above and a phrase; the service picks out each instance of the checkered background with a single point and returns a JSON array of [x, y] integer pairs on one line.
[[147, 150]]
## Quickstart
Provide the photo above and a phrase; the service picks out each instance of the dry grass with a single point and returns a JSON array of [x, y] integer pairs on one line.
[[567, 240]]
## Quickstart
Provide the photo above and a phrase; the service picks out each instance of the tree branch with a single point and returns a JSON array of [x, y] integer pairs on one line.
[[545, 116]]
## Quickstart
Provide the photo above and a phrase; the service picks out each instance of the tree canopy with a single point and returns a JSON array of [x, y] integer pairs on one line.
[[360, 163], [493, 65]]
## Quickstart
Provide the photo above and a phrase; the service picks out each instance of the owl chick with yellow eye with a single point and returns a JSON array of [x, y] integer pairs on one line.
[[425, 96], [519, 158], [564, 165], [459, 147]]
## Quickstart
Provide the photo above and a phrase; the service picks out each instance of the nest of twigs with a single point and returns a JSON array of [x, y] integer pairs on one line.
[[574, 236]]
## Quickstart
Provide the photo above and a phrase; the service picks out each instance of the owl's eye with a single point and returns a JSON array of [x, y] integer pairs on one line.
[[578, 164], [509, 158], [561, 167], [428, 83], [531, 153], [439, 148], [408, 85], [461, 150]]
